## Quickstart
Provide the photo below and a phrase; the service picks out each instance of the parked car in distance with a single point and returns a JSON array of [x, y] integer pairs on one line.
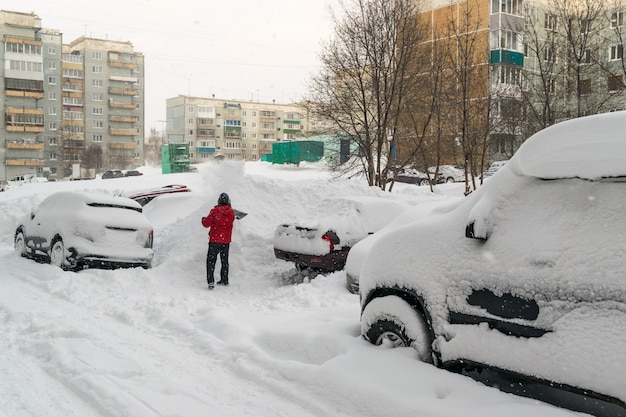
[[450, 173], [22, 179], [76, 230], [321, 245], [493, 168], [112, 173], [143, 197], [4, 185], [411, 175], [521, 285], [132, 173]]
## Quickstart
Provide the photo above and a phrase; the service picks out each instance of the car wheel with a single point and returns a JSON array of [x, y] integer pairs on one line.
[[20, 244], [424, 182], [57, 253], [449, 180], [390, 321]]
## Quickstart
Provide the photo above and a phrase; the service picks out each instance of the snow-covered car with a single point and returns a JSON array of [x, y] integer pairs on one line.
[[4, 185], [76, 230], [494, 167], [143, 197], [449, 173], [133, 173], [411, 175], [359, 252], [321, 245], [523, 287]]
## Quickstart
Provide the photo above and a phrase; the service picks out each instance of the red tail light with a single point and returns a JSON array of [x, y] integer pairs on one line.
[[330, 243]]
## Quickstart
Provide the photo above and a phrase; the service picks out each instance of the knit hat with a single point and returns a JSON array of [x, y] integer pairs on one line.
[[224, 200]]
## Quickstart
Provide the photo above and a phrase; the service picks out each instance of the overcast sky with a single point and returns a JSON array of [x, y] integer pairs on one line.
[[235, 49]]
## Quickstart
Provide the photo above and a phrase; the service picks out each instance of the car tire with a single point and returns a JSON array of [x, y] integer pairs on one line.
[[20, 243], [57, 253], [449, 180], [424, 182], [392, 322]]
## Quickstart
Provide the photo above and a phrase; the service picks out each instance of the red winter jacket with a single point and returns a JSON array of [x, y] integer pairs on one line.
[[220, 221]]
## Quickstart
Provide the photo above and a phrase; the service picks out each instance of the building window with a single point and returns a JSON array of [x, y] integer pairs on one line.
[[585, 87], [97, 111], [617, 19], [586, 57], [550, 23], [52, 80], [96, 83], [509, 75], [98, 124], [53, 156], [96, 96], [615, 83], [52, 126], [514, 7], [52, 50], [616, 52], [97, 138], [96, 56], [53, 141], [549, 55], [52, 95], [503, 39], [52, 111], [96, 69], [52, 65]]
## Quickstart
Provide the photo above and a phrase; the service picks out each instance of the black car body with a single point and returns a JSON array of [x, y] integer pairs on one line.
[[112, 173]]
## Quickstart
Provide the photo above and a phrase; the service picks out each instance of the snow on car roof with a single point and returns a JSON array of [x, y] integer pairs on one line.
[[94, 198], [590, 147]]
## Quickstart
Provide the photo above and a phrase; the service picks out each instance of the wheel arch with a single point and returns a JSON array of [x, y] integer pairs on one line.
[[413, 299]]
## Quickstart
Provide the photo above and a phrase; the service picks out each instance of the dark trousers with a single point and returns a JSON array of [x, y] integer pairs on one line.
[[211, 258]]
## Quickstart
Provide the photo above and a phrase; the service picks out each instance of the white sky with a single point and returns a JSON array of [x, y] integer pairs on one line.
[[236, 49]]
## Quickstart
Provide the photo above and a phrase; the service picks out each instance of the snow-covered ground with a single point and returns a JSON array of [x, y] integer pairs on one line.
[[140, 343]]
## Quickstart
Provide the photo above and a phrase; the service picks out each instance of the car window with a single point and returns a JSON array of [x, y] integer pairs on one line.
[[108, 205]]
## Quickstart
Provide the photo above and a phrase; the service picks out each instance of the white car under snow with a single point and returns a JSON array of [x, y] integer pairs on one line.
[[522, 284], [76, 230]]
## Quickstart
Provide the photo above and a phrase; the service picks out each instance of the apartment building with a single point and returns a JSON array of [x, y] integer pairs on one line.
[[67, 105], [234, 130], [527, 64]]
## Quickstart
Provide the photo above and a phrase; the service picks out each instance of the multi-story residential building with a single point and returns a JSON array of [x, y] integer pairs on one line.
[[22, 104], [235, 130], [67, 105], [517, 66]]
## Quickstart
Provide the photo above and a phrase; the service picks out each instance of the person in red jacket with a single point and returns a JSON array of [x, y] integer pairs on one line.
[[220, 223]]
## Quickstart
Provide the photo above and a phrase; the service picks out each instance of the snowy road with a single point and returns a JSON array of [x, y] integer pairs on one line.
[[137, 343]]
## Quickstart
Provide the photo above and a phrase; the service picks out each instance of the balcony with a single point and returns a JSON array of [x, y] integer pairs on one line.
[[504, 56], [23, 93], [24, 145], [116, 105], [123, 132], [124, 119], [123, 145], [73, 144], [72, 87], [123, 91], [25, 128], [25, 162]]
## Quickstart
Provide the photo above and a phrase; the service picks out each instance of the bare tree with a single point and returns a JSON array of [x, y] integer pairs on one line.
[[366, 79]]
